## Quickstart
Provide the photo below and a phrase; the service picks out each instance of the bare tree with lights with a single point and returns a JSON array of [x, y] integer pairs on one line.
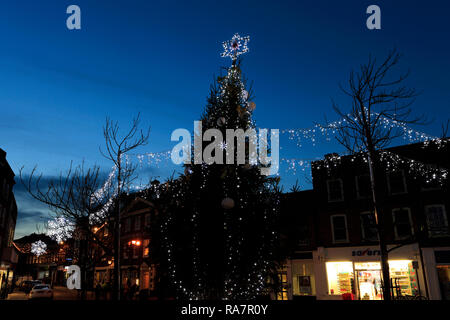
[[378, 99], [117, 147], [72, 197]]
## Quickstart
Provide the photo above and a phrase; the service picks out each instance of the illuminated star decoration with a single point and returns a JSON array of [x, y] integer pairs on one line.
[[60, 229], [38, 248], [235, 47]]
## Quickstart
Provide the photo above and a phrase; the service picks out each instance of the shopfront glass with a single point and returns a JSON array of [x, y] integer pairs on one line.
[[303, 282], [368, 279], [403, 278], [340, 278], [364, 279], [444, 281]]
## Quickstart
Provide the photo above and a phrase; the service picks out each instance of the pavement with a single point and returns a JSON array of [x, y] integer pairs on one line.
[[59, 293]]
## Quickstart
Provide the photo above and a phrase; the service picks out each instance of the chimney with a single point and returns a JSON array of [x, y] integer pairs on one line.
[[2, 154]]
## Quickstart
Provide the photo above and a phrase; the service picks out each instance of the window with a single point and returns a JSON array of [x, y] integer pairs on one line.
[[363, 187], [136, 251], [340, 278], [368, 226], [335, 190], [303, 235], [146, 249], [339, 228], [436, 220], [402, 223], [431, 185], [303, 281], [137, 223], [283, 293], [404, 277], [125, 251], [128, 224], [396, 182], [147, 219]]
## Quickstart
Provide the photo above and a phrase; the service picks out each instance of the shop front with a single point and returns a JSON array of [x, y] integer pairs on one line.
[[437, 267], [8, 263], [301, 274], [355, 272]]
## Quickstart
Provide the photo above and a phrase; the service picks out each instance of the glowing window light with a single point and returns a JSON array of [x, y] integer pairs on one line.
[[399, 264], [340, 276]]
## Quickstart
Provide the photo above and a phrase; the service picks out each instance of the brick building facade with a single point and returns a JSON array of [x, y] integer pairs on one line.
[[8, 216], [345, 257]]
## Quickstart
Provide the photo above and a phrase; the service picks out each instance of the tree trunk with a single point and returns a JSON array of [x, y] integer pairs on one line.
[[385, 267], [117, 279], [83, 263], [381, 235]]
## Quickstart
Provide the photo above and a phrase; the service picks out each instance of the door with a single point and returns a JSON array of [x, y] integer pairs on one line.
[[369, 284]]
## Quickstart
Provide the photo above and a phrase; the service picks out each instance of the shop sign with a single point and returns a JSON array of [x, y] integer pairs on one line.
[[366, 252]]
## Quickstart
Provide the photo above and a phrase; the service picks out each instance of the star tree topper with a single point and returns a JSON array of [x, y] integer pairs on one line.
[[235, 47]]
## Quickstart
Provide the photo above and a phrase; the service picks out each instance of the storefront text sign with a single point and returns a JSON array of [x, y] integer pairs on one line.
[[366, 252]]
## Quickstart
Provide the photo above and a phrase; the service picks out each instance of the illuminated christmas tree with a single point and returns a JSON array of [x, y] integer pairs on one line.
[[217, 225]]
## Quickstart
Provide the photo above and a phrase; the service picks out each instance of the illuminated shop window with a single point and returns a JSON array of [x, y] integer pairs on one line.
[[368, 280], [444, 281], [403, 277], [340, 277]]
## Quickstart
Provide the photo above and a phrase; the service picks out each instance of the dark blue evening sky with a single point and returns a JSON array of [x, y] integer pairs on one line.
[[159, 58]]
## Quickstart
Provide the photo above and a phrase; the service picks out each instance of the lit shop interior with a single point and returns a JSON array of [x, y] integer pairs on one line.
[[363, 279], [444, 281]]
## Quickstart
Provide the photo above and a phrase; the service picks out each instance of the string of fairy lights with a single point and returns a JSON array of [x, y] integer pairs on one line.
[[295, 165]]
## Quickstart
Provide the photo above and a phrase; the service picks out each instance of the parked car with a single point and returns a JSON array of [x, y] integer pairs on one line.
[[41, 291], [27, 285]]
